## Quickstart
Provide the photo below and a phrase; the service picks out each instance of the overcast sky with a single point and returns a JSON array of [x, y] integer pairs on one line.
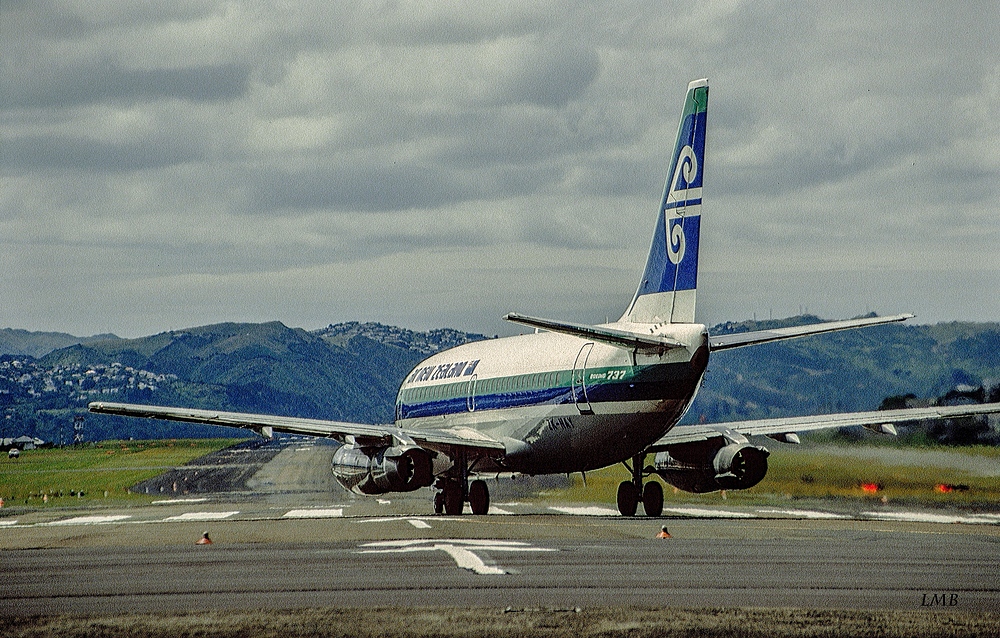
[[171, 164]]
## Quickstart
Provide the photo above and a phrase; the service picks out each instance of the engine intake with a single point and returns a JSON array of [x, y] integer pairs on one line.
[[381, 470], [720, 463]]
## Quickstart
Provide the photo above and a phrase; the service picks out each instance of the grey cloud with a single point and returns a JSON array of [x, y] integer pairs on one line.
[[384, 187], [108, 81], [63, 152], [271, 137]]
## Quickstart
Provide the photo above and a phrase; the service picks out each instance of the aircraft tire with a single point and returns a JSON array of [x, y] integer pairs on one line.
[[628, 498], [453, 502], [652, 498], [479, 497], [439, 503]]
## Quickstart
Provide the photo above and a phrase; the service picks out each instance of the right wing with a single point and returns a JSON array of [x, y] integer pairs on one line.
[[791, 425], [740, 339], [443, 440]]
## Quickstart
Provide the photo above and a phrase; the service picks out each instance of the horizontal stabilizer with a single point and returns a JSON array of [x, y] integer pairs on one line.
[[740, 339], [611, 336]]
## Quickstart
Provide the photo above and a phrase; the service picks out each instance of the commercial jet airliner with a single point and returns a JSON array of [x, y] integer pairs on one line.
[[573, 398]]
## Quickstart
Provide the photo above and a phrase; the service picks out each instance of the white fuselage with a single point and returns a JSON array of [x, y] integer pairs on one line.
[[558, 403]]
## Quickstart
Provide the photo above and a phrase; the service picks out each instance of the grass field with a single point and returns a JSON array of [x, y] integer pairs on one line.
[[898, 475], [65, 476], [902, 475], [487, 623]]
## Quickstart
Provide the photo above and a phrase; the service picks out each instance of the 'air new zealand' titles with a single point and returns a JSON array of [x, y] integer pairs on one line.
[[573, 397]]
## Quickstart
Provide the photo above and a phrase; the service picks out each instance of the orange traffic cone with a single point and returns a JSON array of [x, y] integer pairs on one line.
[[663, 533], [204, 540]]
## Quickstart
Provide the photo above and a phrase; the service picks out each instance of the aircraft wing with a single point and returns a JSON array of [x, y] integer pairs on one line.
[[740, 339], [597, 333], [791, 425], [267, 425]]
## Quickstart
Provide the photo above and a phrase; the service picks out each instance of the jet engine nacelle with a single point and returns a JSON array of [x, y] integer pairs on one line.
[[381, 470], [721, 463]]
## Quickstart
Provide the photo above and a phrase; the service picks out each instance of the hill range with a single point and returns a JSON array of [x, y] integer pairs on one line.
[[351, 371]]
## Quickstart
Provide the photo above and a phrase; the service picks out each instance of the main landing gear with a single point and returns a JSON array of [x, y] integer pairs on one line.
[[630, 493], [456, 491]]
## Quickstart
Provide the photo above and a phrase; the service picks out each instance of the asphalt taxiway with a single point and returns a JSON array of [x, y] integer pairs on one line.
[[289, 547]]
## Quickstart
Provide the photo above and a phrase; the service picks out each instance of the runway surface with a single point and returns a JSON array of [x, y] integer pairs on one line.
[[299, 542]]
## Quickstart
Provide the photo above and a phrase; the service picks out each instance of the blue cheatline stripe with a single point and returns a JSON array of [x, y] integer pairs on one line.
[[660, 382]]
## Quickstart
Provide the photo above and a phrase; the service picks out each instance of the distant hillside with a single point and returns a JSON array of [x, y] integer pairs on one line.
[[37, 344], [851, 370], [424, 342], [337, 373], [352, 371]]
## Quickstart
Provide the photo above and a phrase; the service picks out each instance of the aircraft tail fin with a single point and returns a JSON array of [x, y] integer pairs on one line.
[[669, 283]]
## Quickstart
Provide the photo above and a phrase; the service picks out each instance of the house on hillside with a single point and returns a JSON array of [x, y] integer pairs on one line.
[[23, 443]]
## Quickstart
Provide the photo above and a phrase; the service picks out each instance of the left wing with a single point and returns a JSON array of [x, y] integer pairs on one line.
[[439, 440], [882, 419]]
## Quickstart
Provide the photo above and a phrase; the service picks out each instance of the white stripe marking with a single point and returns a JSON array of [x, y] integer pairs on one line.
[[201, 516], [805, 514], [586, 511], [174, 501], [8, 523], [919, 517], [419, 524], [92, 520], [704, 513], [317, 513]]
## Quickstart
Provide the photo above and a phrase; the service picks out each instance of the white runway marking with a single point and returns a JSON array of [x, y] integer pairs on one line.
[[181, 501], [317, 513], [592, 510], [501, 511], [420, 522], [805, 514], [706, 513], [202, 516], [8, 523], [921, 517], [92, 520], [459, 550]]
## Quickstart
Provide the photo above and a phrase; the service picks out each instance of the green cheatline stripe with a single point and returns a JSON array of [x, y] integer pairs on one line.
[[513, 383]]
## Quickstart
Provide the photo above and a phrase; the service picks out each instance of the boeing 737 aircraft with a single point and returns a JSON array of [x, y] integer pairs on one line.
[[574, 398]]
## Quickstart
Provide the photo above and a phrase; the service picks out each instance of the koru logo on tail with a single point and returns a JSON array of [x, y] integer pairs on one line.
[[675, 239], [684, 174]]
